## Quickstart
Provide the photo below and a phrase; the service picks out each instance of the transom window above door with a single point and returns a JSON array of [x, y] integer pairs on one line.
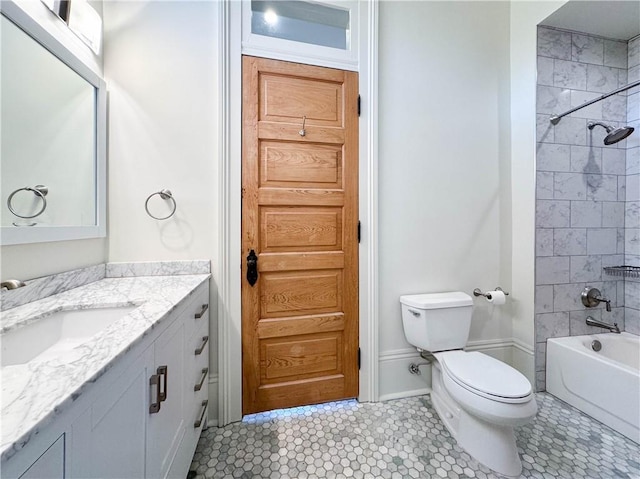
[[324, 33]]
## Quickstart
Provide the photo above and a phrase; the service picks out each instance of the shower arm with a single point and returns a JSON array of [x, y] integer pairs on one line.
[[555, 119]]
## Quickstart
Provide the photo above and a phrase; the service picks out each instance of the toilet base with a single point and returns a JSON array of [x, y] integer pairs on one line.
[[490, 444]]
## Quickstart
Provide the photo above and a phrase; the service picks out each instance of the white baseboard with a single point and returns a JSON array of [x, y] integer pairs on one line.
[[397, 382], [212, 415]]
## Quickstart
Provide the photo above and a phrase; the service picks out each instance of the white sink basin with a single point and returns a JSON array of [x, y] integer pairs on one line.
[[52, 335]]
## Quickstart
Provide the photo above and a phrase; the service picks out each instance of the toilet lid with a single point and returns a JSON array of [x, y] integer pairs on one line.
[[485, 375]]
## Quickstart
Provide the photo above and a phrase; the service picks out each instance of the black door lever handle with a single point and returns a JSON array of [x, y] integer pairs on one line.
[[252, 268]]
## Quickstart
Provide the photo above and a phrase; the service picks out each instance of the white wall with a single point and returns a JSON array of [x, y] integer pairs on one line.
[[41, 259], [160, 67], [525, 17], [444, 140]]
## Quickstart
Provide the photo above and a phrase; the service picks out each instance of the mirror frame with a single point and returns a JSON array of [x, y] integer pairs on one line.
[[14, 236]]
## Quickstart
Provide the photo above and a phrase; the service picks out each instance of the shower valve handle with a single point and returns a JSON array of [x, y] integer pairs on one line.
[[591, 297]]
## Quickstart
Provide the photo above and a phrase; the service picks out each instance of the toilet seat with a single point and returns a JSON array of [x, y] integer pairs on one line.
[[485, 376]]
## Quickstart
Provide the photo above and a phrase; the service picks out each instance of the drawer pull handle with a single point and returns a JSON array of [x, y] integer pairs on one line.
[[205, 340], [162, 392], [202, 311], [154, 383], [198, 386], [198, 423]]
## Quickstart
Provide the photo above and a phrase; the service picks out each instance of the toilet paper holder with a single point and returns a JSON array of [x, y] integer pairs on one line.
[[478, 292]]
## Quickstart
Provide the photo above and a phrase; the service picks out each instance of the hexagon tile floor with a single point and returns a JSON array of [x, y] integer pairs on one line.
[[405, 438]]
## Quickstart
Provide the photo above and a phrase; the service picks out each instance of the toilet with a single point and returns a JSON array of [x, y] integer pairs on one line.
[[478, 398]]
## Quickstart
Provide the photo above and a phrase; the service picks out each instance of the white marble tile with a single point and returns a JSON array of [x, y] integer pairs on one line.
[[622, 188], [601, 241], [591, 112], [541, 356], [621, 240], [545, 72], [613, 161], [632, 214], [614, 108], [632, 141], [572, 131], [545, 131], [569, 241], [40, 288], [544, 185], [552, 157], [587, 49], [569, 186], [615, 54], [633, 108], [632, 295], [633, 188], [586, 159], [553, 213], [544, 241], [586, 268], [552, 100], [602, 187], [554, 43], [569, 75], [586, 214], [551, 325], [633, 75], [634, 51], [632, 320], [613, 214], [632, 240], [544, 299], [566, 297], [611, 260], [601, 79], [633, 160], [158, 268], [552, 270], [578, 322]]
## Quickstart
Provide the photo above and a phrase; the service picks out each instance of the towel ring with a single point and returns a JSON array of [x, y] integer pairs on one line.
[[165, 194], [39, 190]]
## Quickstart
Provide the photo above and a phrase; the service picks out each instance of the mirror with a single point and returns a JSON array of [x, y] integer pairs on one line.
[[52, 152]]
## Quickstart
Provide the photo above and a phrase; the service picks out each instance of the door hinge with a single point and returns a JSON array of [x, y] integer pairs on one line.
[[359, 359], [359, 104], [359, 231]]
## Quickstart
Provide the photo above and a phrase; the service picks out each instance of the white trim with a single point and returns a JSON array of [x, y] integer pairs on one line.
[[226, 267], [368, 205], [405, 394], [522, 346], [212, 417]]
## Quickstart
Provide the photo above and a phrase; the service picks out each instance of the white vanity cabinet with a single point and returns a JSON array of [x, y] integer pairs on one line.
[[140, 419]]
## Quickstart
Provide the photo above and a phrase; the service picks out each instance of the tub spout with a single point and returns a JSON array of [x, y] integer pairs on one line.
[[594, 322]]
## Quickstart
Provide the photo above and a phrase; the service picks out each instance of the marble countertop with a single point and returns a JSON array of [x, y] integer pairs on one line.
[[33, 394]]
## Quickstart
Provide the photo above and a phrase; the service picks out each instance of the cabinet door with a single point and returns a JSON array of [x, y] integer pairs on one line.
[[166, 427], [108, 439], [50, 465]]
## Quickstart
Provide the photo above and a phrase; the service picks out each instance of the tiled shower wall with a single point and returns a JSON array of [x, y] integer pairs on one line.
[[632, 216], [584, 189]]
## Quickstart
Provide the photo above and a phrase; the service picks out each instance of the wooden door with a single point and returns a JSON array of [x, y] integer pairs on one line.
[[300, 216]]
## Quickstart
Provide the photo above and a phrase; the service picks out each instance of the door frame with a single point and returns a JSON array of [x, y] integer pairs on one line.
[[226, 266]]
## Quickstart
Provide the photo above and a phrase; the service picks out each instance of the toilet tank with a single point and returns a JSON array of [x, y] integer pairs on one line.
[[437, 321]]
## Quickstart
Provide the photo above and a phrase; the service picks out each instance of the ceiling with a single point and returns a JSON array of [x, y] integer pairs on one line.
[[611, 19]]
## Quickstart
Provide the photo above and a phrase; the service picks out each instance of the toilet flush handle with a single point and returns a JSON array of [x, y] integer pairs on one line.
[[414, 312]]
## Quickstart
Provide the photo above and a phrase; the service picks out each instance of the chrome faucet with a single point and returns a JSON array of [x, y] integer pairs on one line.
[[594, 322], [591, 297], [12, 284]]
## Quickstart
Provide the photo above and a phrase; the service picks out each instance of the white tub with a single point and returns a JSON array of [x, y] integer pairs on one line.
[[604, 384]]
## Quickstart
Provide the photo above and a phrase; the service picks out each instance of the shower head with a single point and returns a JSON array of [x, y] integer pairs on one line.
[[614, 135]]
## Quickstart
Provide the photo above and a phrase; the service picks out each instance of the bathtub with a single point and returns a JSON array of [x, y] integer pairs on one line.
[[605, 384]]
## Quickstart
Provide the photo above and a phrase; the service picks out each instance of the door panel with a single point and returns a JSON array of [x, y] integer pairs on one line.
[[299, 215]]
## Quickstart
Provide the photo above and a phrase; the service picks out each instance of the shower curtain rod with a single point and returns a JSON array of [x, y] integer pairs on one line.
[[556, 118]]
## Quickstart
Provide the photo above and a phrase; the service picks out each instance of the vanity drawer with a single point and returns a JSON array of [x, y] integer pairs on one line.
[[197, 311]]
